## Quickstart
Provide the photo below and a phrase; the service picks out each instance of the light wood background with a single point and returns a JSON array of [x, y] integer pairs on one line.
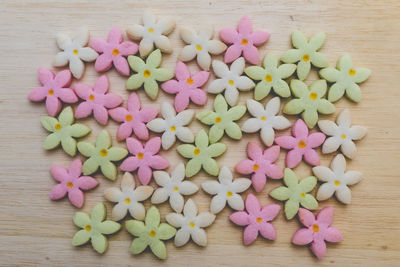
[[35, 231]]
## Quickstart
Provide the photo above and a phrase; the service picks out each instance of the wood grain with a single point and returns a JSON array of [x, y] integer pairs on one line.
[[35, 231]]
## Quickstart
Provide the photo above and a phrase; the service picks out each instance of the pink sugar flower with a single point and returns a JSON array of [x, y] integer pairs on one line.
[[113, 51], [243, 40], [53, 89], [71, 182], [133, 119], [256, 219], [97, 100], [260, 165], [318, 231], [301, 144], [144, 159], [186, 87]]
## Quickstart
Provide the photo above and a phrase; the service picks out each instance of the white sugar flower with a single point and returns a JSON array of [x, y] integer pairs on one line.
[[152, 33], [342, 134], [336, 180], [265, 119], [190, 224], [128, 198], [172, 125], [226, 190], [173, 187], [74, 51], [201, 46], [230, 80]]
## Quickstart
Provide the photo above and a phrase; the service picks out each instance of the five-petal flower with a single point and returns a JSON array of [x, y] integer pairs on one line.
[[144, 158], [222, 120], [336, 180], [101, 155], [256, 219], [113, 51], [295, 193], [148, 73], [301, 144], [186, 87], [173, 187], [309, 101], [94, 228], [133, 119], [317, 231], [63, 130], [71, 182], [306, 53], [191, 224], [150, 233], [260, 165], [226, 190], [345, 79], [243, 40]]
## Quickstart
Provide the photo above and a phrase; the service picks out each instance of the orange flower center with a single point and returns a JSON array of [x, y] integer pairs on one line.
[[336, 182], [189, 81], [103, 152], [115, 52], [70, 185], [199, 48], [127, 200], [128, 117], [256, 167], [88, 228], [268, 78], [146, 73], [152, 233], [91, 97], [57, 126], [218, 119], [352, 72], [306, 57], [75, 52], [51, 92], [244, 41], [196, 151], [259, 220], [302, 144], [315, 228], [140, 155], [313, 95]]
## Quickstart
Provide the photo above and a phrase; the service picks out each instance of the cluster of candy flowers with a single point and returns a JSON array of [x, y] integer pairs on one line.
[[201, 149]]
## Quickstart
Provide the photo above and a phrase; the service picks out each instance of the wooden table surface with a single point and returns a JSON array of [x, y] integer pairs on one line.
[[35, 231]]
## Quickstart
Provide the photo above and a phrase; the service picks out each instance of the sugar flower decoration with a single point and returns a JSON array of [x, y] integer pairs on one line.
[[271, 76], [222, 120], [144, 158], [265, 119], [63, 130], [191, 224], [318, 231], [94, 227], [55, 89], [342, 134], [231, 80], [74, 52], [260, 165], [150, 233], [309, 101], [102, 155], [301, 144], [295, 193], [128, 198], [133, 119], [97, 100], [345, 78], [186, 87], [113, 51], [201, 155], [226, 190], [148, 73], [173, 187], [336, 180], [243, 40], [256, 219], [199, 45], [152, 33], [71, 182], [172, 126], [306, 53]]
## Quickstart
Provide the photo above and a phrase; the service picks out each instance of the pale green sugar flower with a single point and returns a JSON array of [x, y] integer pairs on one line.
[[62, 130], [94, 228], [101, 155], [345, 79], [309, 102], [295, 193], [150, 233], [148, 73], [222, 120], [271, 76], [201, 155], [306, 53]]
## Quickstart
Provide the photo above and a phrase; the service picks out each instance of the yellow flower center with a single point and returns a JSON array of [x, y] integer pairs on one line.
[[57, 126], [259, 220], [263, 118], [231, 82], [306, 57], [268, 78], [70, 185], [51, 92], [343, 136], [229, 194], [88, 228], [244, 41], [152, 233], [199, 48], [189, 81], [75, 52], [127, 200], [115, 52], [128, 117], [91, 97], [352, 72], [172, 128], [256, 167], [315, 228], [176, 188], [140, 155], [150, 30], [313, 96], [103, 152], [218, 119], [146, 73], [336, 182], [303, 195], [192, 224], [302, 144], [196, 151]]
